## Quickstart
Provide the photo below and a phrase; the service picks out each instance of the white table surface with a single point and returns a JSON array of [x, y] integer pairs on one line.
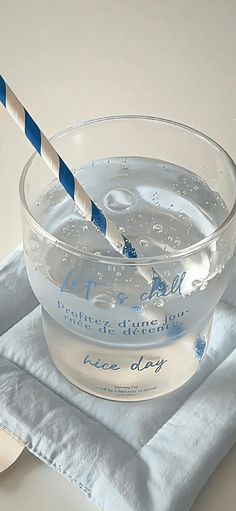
[[78, 59]]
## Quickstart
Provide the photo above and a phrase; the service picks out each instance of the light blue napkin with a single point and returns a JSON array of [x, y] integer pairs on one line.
[[148, 456]]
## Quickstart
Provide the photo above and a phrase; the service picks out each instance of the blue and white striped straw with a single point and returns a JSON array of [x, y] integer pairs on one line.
[[72, 186]]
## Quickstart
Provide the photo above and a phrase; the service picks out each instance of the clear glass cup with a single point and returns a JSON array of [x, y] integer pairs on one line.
[[172, 191]]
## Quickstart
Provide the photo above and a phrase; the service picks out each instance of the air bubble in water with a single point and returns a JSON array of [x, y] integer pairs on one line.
[[104, 301], [121, 229], [177, 242], [183, 192], [119, 199], [97, 253], [66, 257], [199, 284], [160, 302], [85, 228], [158, 228], [144, 242], [203, 285], [34, 245], [118, 274], [124, 166], [38, 265]]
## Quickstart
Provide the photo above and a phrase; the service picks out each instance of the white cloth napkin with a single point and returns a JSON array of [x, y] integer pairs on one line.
[[148, 456]]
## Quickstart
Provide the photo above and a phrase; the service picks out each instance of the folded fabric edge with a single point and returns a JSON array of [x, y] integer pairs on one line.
[[17, 297], [159, 449], [54, 466], [29, 409], [203, 431], [58, 397], [11, 256]]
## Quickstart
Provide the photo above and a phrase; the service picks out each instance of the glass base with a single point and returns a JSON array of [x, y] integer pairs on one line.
[[125, 374]]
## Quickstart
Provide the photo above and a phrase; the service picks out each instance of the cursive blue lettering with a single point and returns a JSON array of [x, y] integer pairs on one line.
[[99, 364], [147, 365], [72, 283], [68, 283], [159, 288], [121, 298]]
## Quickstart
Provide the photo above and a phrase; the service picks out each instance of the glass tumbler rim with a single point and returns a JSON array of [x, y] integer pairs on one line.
[[140, 261]]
